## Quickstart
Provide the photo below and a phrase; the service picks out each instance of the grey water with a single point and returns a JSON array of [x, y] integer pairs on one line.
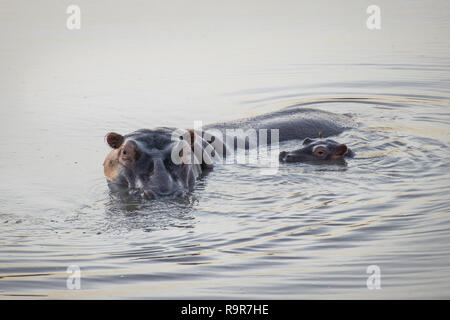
[[305, 232]]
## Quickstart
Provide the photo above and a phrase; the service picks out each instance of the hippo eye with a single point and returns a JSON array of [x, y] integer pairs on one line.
[[320, 152]]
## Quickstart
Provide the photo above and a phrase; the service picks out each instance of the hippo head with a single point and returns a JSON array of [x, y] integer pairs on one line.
[[141, 163], [317, 150]]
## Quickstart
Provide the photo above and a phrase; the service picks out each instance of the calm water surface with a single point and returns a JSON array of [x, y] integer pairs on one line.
[[309, 231]]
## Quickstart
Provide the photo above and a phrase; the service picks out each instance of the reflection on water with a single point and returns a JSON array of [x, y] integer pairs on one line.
[[127, 214], [309, 231]]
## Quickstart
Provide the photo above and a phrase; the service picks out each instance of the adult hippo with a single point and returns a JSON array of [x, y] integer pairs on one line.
[[146, 162]]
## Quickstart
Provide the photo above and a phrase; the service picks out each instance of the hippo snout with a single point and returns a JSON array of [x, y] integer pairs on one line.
[[291, 157], [286, 157], [161, 178]]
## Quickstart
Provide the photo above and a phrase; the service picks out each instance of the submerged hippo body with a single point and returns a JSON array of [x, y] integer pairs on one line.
[[141, 162]]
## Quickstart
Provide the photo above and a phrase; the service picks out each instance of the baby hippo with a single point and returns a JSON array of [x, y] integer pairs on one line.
[[317, 150]]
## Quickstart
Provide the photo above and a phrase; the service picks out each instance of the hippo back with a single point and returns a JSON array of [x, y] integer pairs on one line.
[[293, 123]]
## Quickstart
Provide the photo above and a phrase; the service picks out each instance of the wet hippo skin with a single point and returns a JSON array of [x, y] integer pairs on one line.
[[141, 163]]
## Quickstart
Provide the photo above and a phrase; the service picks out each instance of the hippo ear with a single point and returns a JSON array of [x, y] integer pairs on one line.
[[341, 150], [114, 140]]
